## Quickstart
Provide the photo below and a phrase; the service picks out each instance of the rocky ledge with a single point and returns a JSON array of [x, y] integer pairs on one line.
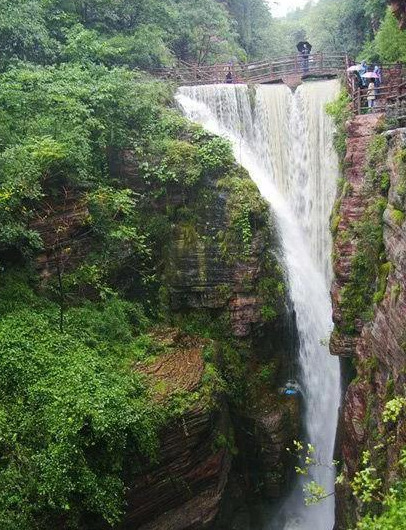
[[183, 489]]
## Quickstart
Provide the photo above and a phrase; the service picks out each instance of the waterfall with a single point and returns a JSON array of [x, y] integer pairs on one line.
[[284, 140]]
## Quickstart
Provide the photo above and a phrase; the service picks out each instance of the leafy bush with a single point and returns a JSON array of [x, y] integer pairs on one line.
[[340, 111], [390, 41], [398, 216], [144, 48], [180, 163], [246, 211], [72, 412], [394, 514], [366, 484], [393, 409], [216, 155]]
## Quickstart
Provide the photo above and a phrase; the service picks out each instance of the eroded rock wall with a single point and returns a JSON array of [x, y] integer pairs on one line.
[[376, 341], [208, 270], [186, 488]]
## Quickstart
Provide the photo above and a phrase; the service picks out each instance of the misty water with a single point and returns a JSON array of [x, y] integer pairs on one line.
[[284, 140]]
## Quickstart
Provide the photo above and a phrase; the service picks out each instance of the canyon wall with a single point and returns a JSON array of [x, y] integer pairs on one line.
[[227, 334], [369, 306], [209, 275]]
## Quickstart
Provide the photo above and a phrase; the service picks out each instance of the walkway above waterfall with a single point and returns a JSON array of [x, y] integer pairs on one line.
[[290, 70], [293, 70]]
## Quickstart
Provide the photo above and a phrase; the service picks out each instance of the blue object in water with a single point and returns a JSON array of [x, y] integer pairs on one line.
[[290, 392]]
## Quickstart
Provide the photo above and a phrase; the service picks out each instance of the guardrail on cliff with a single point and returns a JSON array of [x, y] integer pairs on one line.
[[390, 96], [292, 69], [269, 71]]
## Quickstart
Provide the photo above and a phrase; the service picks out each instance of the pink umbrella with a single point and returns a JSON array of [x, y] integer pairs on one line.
[[370, 75]]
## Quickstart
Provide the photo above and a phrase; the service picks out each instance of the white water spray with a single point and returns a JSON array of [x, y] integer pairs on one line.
[[285, 143]]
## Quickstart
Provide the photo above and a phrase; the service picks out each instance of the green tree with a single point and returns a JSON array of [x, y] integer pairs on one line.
[[24, 34], [390, 40], [203, 32]]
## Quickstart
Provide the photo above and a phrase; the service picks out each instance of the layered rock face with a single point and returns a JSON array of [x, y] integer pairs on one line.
[[352, 205], [207, 271], [376, 341]]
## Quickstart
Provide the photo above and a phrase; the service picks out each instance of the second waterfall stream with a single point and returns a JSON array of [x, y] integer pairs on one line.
[[284, 140]]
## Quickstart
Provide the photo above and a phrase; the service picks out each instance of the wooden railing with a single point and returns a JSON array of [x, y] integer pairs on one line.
[[292, 69], [389, 96], [269, 71]]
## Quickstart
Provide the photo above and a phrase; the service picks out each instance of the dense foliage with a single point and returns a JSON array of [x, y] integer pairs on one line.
[[75, 105], [70, 411], [73, 411], [139, 34], [366, 29]]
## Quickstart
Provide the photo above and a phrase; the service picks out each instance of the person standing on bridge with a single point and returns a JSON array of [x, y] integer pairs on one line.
[[305, 55], [371, 96], [304, 49], [378, 79]]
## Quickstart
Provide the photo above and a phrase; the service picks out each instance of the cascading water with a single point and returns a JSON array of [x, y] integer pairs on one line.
[[284, 140]]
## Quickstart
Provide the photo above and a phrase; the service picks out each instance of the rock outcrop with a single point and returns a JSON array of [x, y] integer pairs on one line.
[[208, 271], [184, 488], [376, 344]]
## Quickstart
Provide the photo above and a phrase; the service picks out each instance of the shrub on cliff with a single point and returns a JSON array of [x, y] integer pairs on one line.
[[72, 411], [394, 515], [340, 111], [58, 127]]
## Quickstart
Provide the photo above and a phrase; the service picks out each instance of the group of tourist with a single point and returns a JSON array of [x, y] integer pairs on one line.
[[368, 79], [365, 77]]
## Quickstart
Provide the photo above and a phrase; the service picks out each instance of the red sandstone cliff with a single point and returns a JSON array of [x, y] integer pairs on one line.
[[185, 487], [376, 345]]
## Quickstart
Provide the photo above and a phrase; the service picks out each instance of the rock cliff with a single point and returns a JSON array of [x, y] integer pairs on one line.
[[184, 487], [213, 280], [230, 342], [369, 306]]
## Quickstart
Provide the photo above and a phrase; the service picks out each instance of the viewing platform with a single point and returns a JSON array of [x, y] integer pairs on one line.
[[292, 70], [390, 95]]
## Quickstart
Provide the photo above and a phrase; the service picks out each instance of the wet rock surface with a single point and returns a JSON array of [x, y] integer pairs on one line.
[[184, 490], [188, 484], [378, 346], [352, 207]]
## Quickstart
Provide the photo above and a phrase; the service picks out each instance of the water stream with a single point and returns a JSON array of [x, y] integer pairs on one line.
[[284, 140]]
